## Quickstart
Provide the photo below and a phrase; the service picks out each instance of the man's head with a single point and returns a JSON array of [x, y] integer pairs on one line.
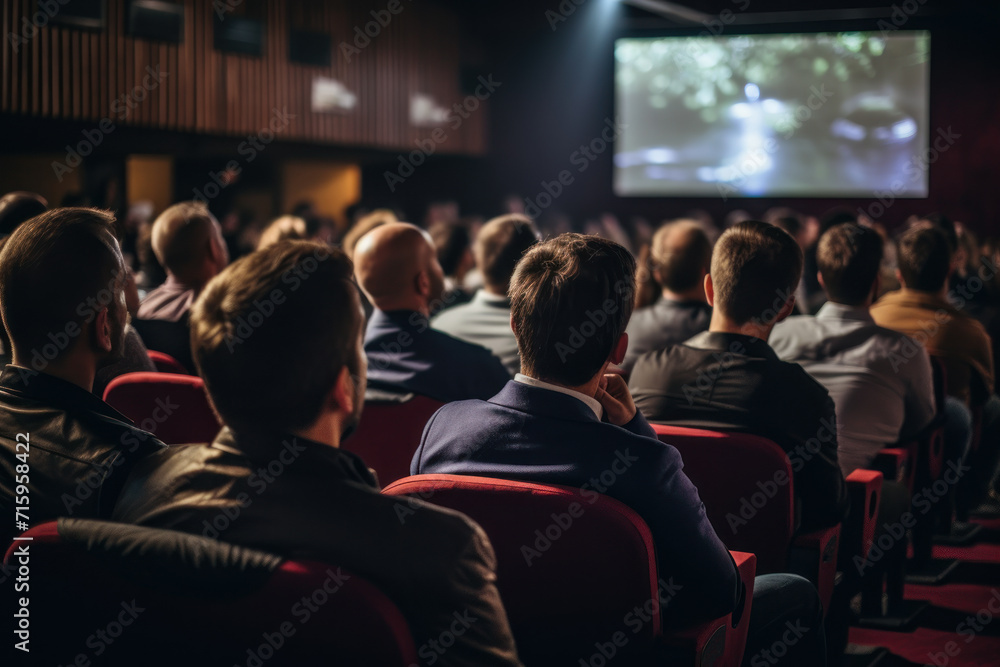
[[681, 255], [500, 245], [187, 240], [849, 257], [277, 338], [924, 258], [397, 267], [756, 269], [571, 298], [453, 245], [62, 289], [18, 207]]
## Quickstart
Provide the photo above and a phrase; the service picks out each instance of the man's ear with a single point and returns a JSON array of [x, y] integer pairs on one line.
[[101, 329], [899, 277], [709, 291], [341, 397], [422, 283], [819, 278], [513, 324], [618, 352], [786, 309]]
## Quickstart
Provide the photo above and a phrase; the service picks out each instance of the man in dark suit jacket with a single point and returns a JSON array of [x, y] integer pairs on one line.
[[397, 267], [729, 378], [62, 292], [287, 386], [563, 420], [681, 253]]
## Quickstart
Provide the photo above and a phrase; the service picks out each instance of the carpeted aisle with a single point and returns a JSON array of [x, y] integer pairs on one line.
[[962, 626]]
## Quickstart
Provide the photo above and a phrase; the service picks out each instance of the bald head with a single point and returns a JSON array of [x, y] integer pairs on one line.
[[682, 255], [397, 267], [187, 240]]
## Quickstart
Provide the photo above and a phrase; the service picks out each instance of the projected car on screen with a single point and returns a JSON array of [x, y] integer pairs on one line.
[[809, 115]]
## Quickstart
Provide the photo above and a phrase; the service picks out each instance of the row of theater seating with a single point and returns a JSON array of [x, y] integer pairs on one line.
[[557, 600]]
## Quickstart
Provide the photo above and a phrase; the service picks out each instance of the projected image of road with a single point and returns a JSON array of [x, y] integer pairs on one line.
[[805, 115]]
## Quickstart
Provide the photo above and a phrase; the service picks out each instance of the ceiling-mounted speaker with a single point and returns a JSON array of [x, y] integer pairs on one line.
[[155, 19]]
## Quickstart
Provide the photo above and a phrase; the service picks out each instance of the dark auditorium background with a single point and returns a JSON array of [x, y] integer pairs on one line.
[[552, 68]]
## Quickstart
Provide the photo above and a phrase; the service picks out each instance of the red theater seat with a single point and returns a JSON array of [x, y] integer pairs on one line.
[[166, 364], [129, 595], [750, 501], [172, 407], [572, 569], [389, 433]]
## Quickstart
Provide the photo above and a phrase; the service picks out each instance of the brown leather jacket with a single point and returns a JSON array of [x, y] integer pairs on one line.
[[295, 497], [79, 449]]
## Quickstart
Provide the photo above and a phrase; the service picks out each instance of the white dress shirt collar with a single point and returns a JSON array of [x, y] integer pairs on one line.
[[591, 402]]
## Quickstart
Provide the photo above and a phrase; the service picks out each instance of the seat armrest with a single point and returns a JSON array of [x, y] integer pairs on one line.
[[722, 641], [814, 556], [895, 464], [865, 490]]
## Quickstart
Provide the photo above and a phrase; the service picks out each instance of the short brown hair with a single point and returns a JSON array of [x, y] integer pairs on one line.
[[849, 257], [500, 245], [271, 333], [755, 265], [678, 266], [181, 234], [924, 257], [571, 298], [57, 271]]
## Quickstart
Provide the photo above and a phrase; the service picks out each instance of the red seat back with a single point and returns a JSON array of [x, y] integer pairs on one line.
[[245, 603], [745, 482], [166, 364], [389, 434], [571, 565], [174, 408]]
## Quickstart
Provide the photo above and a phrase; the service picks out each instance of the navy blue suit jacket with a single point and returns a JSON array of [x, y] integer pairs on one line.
[[406, 354], [534, 434]]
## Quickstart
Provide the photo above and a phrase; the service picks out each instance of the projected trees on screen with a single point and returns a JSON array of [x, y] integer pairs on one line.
[[807, 115]]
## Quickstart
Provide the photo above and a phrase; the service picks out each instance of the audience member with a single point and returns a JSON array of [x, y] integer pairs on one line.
[[729, 377], [287, 227], [63, 305], [922, 311], [188, 243], [680, 255], [18, 207], [880, 380], [486, 320], [288, 391], [454, 252], [398, 270], [564, 420]]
